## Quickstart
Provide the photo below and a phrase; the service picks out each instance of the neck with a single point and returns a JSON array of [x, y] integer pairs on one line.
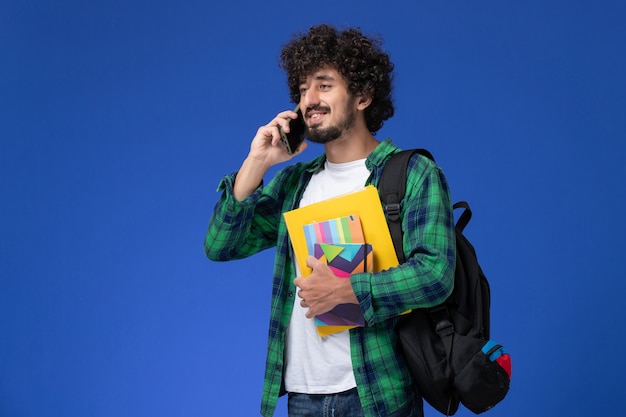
[[353, 145]]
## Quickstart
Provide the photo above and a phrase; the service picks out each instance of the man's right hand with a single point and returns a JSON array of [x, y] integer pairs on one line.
[[266, 150]]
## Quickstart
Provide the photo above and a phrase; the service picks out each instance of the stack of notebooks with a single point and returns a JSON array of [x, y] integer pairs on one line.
[[350, 234]]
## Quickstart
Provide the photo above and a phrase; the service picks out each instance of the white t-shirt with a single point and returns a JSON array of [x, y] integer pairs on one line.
[[316, 365]]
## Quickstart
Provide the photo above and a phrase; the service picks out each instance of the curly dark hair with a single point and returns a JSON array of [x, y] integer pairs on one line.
[[367, 69]]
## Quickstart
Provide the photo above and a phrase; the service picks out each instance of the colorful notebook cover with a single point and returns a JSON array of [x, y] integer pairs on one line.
[[343, 259], [346, 229]]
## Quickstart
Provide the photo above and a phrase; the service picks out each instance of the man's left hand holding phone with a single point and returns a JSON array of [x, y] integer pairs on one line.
[[269, 148]]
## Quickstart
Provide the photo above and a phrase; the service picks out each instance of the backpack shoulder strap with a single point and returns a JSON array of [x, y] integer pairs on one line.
[[465, 217], [392, 188]]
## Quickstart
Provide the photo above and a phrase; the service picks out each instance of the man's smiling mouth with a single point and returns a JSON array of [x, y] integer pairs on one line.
[[316, 114]]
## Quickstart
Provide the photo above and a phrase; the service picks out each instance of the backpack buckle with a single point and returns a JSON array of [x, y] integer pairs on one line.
[[444, 328], [440, 317], [393, 211]]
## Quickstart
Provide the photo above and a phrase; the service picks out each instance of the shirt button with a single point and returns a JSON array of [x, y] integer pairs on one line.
[[290, 294]]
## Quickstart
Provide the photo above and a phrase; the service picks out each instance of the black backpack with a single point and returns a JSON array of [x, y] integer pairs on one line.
[[447, 348]]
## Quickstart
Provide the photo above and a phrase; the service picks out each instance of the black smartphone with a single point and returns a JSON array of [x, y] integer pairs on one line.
[[294, 138]]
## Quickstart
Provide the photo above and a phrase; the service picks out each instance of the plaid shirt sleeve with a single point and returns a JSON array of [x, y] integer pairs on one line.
[[427, 277], [239, 229]]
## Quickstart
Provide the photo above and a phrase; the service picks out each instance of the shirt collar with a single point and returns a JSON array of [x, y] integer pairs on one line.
[[377, 158], [380, 154]]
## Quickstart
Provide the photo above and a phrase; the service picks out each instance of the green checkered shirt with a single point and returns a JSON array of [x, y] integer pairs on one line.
[[242, 228]]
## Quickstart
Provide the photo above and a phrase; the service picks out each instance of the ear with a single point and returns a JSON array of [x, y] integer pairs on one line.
[[363, 102]]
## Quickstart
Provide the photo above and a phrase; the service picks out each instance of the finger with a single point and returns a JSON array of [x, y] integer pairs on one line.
[[298, 281], [276, 138], [282, 119], [312, 262], [265, 135]]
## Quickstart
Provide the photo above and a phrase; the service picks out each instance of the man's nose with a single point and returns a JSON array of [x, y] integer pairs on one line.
[[309, 99]]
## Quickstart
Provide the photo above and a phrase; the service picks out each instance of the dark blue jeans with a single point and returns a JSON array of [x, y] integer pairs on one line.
[[343, 404]]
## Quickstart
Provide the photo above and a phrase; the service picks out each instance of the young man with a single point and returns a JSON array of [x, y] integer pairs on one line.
[[342, 82]]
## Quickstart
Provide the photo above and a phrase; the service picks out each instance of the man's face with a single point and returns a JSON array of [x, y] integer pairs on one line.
[[328, 108]]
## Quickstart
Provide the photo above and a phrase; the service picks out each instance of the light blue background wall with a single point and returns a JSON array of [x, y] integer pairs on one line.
[[118, 119]]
